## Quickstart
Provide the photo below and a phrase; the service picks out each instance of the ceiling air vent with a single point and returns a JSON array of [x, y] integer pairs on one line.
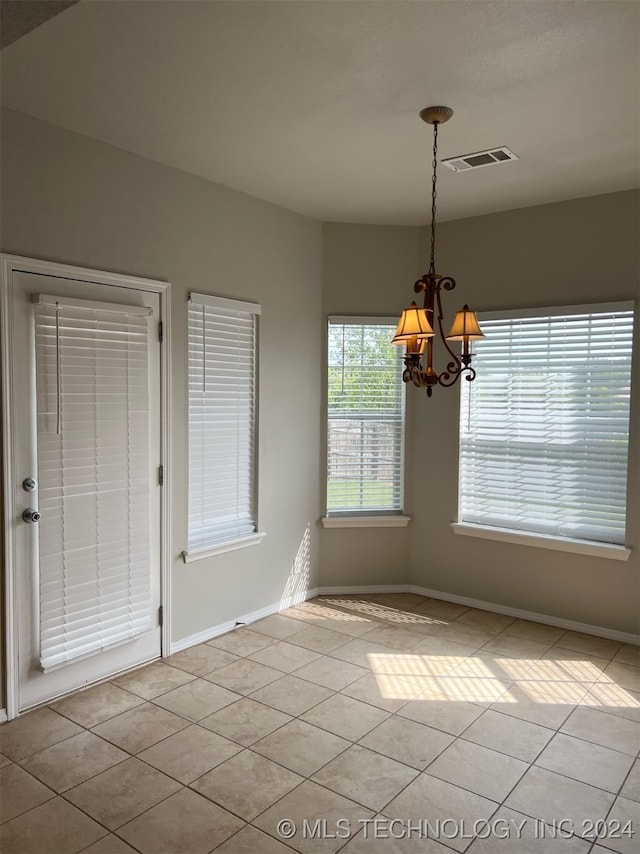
[[490, 157]]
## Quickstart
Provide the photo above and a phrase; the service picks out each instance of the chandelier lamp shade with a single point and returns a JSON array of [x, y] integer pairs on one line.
[[419, 326]]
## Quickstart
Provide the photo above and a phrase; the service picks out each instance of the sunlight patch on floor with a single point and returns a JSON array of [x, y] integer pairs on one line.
[[469, 690], [482, 679], [610, 694], [312, 612], [560, 693], [393, 687], [553, 670], [407, 665], [377, 611]]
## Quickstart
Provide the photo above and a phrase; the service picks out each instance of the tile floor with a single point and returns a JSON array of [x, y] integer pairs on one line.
[[364, 717]]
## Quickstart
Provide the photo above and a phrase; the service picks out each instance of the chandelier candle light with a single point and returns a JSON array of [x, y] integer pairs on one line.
[[416, 325]]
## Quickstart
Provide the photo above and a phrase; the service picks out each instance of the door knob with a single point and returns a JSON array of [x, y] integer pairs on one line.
[[31, 515]]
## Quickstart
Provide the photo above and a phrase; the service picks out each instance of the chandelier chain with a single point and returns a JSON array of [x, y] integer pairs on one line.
[[434, 193], [418, 328]]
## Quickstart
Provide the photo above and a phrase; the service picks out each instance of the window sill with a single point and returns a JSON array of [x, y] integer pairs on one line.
[[543, 541], [365, 521], [251, 540]]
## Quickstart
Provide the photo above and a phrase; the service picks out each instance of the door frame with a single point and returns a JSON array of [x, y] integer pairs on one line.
[[11, 264]]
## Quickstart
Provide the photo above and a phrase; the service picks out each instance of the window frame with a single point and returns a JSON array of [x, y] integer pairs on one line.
[[385, 517], [554, 541], [211, 548]]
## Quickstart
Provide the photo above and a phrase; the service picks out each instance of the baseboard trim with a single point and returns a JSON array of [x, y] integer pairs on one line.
[[533, 616], [367, 589], [518, 613], [3, 716], [244, 620]]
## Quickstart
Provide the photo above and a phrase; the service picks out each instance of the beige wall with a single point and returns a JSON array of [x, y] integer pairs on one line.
[[68, 198], [584, 250], [581, 251], [367, 270]]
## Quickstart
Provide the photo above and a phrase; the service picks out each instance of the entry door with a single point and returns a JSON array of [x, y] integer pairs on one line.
[[86, 437]]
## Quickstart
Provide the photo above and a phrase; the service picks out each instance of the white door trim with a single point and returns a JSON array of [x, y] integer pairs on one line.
[[15, 263]]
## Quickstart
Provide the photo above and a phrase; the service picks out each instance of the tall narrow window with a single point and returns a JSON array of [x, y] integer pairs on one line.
[[544, 431], [365, 435], [92, 397], [222, 421]]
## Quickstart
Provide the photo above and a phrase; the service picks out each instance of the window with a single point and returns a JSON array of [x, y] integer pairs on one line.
[[222, 422], [544, 429], [92, 399], [365, 418]]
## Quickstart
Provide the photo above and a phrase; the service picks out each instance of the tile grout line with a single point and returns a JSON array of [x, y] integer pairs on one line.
[[334, 693], [418, 772]]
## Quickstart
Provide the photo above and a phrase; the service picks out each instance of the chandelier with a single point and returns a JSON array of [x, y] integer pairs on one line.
[[416, 325]]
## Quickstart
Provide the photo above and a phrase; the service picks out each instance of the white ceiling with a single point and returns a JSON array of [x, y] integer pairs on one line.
[[314, 105]]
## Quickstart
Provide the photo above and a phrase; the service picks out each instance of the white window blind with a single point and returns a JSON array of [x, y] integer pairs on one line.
[[544, 429], [222, 421], [93, 476], [365, 453]]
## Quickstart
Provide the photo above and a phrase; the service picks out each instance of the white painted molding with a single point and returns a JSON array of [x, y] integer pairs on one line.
[[298, 598], [519, 613], [166, 515], [543, 541], [20, 264], [8, 492], [251, 540], [202, 637], [244, 620], [365, 521], [3, 716], [532, 616], [10, 264], [365, 590]]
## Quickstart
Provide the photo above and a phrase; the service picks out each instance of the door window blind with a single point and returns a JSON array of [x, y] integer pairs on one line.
[[92, 397], [222, 420], [544, 429], [365, 434]]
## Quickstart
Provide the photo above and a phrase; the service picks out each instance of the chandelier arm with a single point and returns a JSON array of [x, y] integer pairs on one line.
[[412, 371], [447, 282], [416, 376], [419, 287], [450, 376], [468, 372], [454, 368]]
